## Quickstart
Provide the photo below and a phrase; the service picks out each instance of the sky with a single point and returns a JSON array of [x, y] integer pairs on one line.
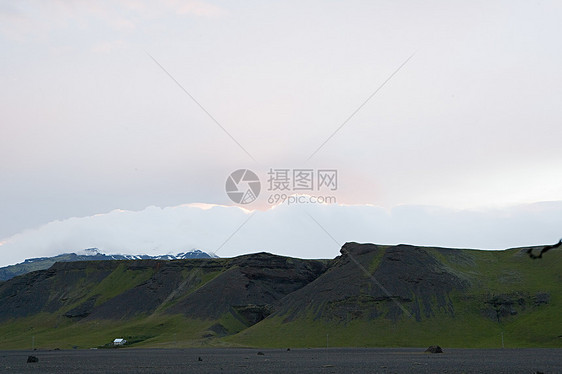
[[120, 122]]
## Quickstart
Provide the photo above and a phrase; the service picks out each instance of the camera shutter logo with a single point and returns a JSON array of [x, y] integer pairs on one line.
[[243, 186]]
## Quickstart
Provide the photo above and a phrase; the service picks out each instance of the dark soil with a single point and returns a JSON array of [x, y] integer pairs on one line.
[[334, 360]]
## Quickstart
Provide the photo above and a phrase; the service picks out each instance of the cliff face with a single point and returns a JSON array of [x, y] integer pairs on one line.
[[248, 299], [255, 280]]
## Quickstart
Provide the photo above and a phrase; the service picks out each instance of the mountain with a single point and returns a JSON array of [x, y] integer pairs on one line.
[[90, 254], [370, 295]]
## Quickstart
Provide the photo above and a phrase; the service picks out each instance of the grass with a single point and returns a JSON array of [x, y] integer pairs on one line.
[[157, 331], [466, 331], [377, 258], [119, 281]]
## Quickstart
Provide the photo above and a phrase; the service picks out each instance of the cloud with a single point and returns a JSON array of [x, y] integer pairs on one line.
[[29, 20], [38, 20], [107, 47], [86, 133], [307, 230], [197, 8]]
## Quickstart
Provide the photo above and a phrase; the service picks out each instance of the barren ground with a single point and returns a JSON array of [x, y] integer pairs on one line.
[[333, 360]]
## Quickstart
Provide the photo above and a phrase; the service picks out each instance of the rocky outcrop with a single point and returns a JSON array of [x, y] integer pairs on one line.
[[501, 306]]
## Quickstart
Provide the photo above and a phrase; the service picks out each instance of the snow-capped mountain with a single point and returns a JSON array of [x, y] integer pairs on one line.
[[95, 254], [90, 254]]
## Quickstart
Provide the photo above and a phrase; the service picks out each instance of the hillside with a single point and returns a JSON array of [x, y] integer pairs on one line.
[[371, 295], [460, 298]]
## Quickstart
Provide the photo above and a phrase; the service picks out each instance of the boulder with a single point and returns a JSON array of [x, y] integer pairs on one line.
[[434, 349]]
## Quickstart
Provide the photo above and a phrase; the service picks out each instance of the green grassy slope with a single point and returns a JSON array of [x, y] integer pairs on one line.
[[53, 329]]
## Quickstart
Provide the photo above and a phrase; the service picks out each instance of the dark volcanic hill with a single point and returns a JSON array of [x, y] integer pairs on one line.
[[390, 282], [244, 288], [371, 295]]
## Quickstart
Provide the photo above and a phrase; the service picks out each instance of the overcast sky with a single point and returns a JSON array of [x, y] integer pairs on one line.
[[451, 119]]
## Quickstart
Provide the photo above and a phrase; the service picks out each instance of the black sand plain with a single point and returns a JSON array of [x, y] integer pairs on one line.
[[332, 360]]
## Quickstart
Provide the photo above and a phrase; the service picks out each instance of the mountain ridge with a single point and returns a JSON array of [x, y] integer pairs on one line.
[[89, 254], [370, 295]]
